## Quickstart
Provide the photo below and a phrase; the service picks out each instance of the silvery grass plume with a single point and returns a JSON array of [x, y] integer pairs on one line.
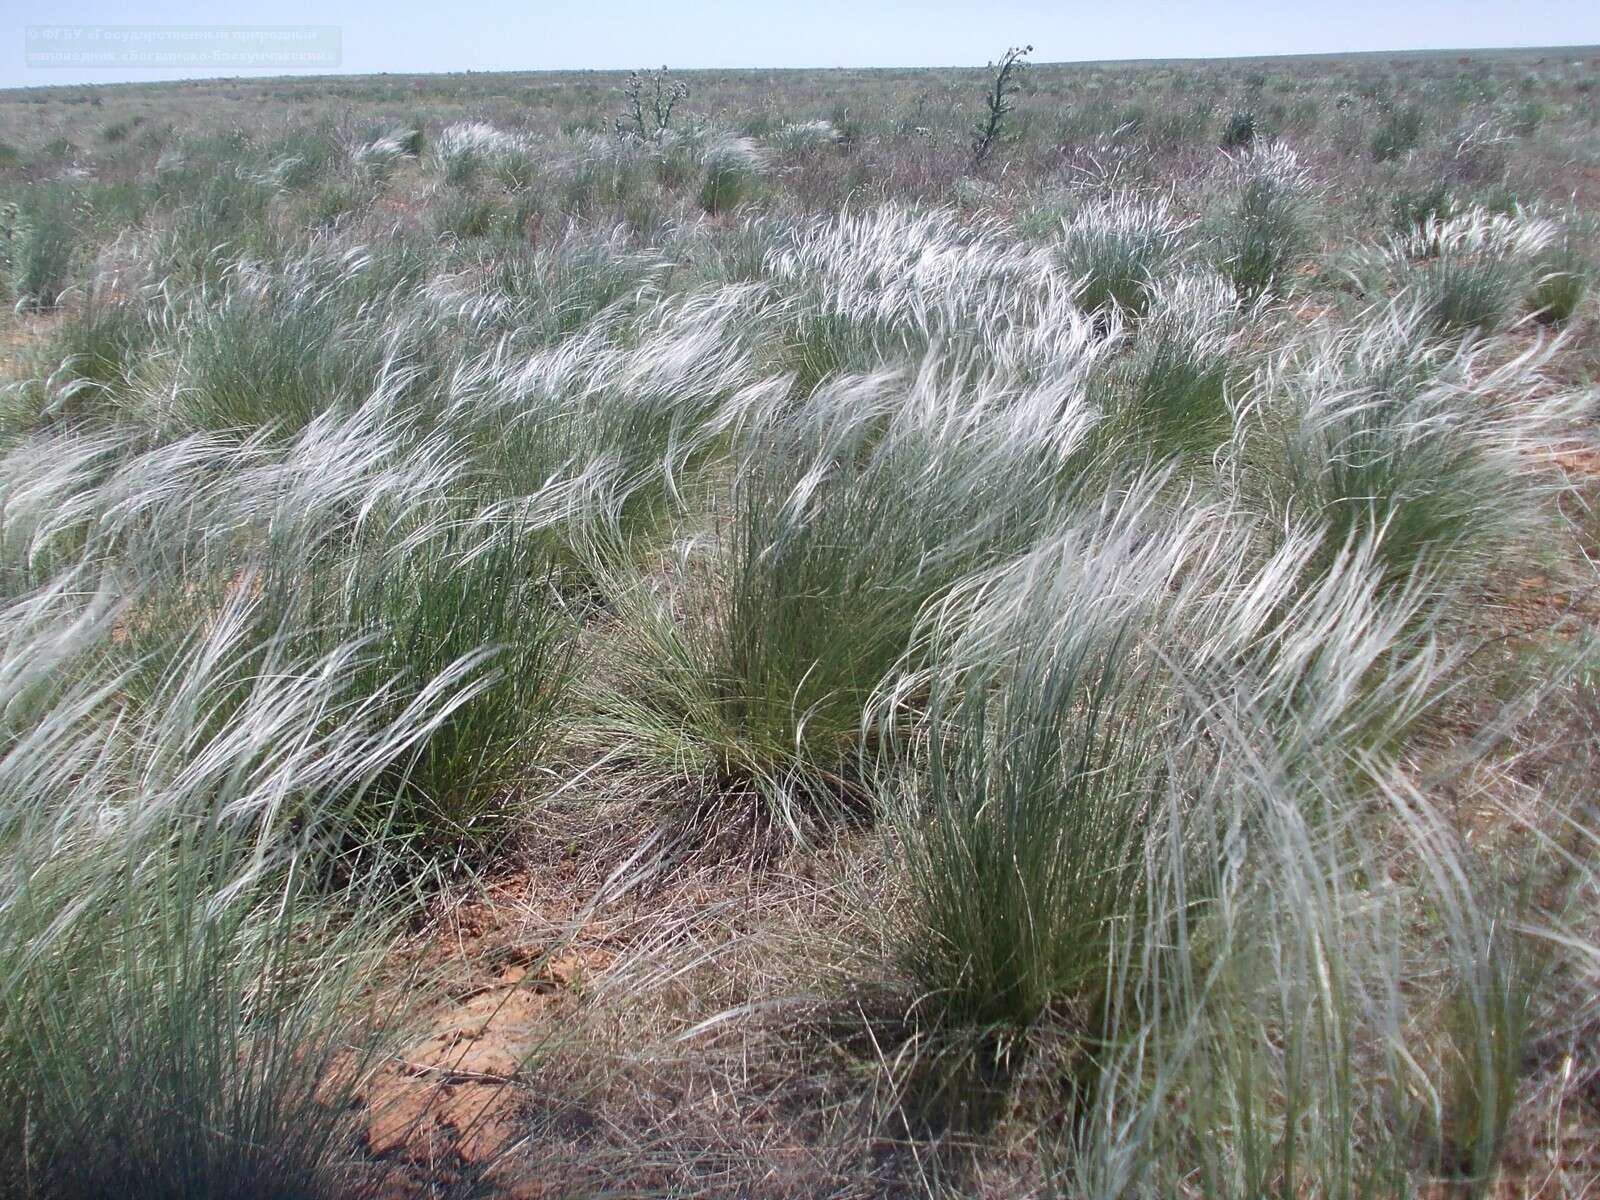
[[184, 1000], [46, 498], [883, 286], [1110, 162], [1264, 233], [1276, 162], [368, 527], [800, 136], [731, 166], [374, 161], [195, 507], [463, 149], [746, 671], [538, 296], [1176, 392], [364, 526], [620, 413], [1300, 1027], [1469, 272], [1117, 248], [1143, 823], [399, 142], [268, 348], [1380, 429]]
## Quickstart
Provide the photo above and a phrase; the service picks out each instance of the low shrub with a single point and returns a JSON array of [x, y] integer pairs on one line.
[[1399, 130]]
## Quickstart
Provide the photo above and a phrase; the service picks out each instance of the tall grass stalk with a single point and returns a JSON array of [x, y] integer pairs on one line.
[[186, 1007]]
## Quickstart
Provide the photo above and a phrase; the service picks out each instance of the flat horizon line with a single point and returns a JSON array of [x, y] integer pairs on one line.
[[336, 74]]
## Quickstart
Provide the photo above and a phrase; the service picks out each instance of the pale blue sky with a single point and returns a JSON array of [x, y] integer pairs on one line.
[[392, 35]]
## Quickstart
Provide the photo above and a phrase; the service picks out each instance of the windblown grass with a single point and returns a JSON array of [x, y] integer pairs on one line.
[[1381, 430], [183, 1000], [447, 486], [847, 516], [1119, 248]]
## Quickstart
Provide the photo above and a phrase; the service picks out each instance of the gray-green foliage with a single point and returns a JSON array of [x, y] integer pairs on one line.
[[40, 244], [1107, 585], [844, 520], [181, 1012], [1264, 233], [1120, 247], [1380, 431]]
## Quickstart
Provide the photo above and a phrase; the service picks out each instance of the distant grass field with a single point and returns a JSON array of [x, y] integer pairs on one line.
[[786, 649]]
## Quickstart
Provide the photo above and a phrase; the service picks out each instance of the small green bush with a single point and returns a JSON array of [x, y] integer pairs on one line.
[[39, 245], [1399, 130], [1239, 130]]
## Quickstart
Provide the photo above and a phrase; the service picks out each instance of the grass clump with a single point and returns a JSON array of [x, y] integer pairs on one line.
[[847, 517], [731, 171], [96, 348], [1169, 396], [277, 347], [1044, 785], [1384, 433], [1561, 281], [1413, 210], [469, 214], [1399, 131], [1474, 271], [39, 245], [473, 601], [1265, 233], [465, 151], [1119, 247], [1239, 130], [182, 1014]]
